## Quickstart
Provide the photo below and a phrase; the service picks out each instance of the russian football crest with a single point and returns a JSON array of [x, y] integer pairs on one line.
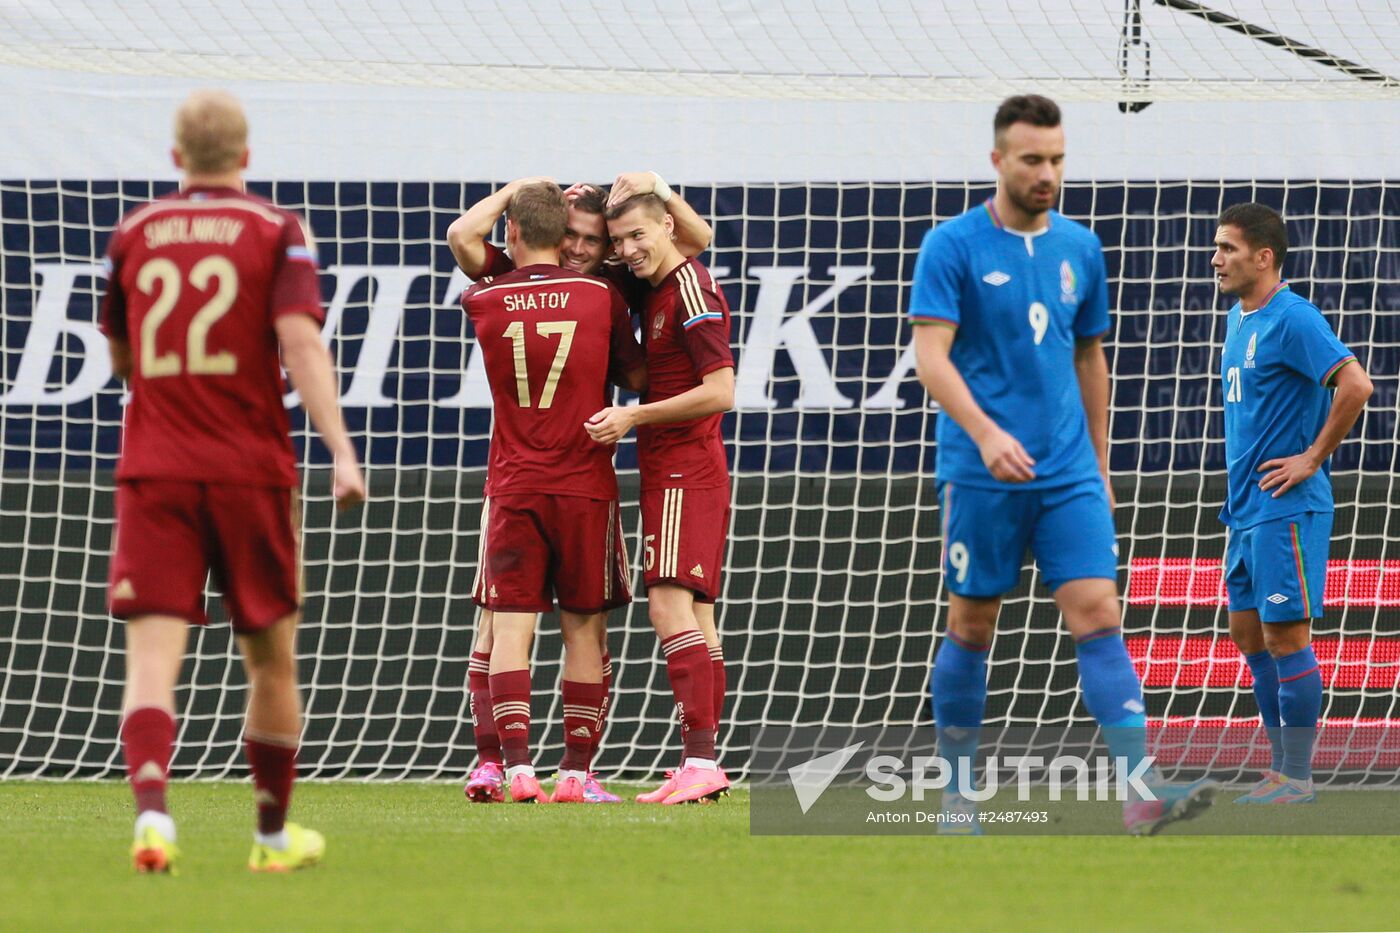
[[658, 325]]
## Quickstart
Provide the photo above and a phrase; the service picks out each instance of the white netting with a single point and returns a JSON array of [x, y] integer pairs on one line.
[[832, 590]]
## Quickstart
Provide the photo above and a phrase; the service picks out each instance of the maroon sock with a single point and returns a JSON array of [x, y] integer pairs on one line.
[[274, 768], [148, 741], [510, 705], [582, 709], [692, 681], [602, 706], [488, 740], [717, 665]]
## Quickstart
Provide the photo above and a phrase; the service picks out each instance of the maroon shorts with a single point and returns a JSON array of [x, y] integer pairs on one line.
[[683, 536], [172, 534], [535, 547]]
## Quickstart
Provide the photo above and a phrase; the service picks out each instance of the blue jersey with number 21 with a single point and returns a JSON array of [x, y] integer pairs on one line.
[[1019, 302], [1277, 365]]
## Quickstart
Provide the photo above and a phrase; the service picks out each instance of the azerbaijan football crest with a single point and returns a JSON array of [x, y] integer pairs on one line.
[[1249, 350], [1069, 285]]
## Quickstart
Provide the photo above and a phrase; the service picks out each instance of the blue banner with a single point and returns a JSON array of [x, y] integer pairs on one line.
[[817, 275]]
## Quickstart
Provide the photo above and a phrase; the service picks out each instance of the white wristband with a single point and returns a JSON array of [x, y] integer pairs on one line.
[[660, 188]]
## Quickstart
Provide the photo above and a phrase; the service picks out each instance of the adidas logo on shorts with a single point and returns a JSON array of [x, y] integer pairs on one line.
[[1278, 599], [124, 590], [582, 733], [493, 591], [697, 571]]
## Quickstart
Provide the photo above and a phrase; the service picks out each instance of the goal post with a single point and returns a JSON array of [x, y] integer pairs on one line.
[[821, 142]]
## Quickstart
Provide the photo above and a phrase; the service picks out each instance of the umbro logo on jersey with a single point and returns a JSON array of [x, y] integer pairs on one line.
[[124, 590], [698, 572], [1278, 599], [996, 278]]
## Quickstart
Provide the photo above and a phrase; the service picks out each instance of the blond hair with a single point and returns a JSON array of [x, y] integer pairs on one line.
[[211, 132]]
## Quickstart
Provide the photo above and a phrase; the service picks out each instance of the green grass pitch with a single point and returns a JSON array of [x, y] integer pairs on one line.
[[418, 857]]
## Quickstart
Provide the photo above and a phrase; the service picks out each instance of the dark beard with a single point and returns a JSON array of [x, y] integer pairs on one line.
[[1025, 204]]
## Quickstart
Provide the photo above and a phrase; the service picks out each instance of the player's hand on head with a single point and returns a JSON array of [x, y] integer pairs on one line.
[[1283, 473], [1006, 459], [577, 190], [630, 184], [349, 484], [610, 425], [529, 180]]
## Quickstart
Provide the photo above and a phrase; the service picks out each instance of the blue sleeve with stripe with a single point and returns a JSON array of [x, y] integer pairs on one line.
[[938, 275]]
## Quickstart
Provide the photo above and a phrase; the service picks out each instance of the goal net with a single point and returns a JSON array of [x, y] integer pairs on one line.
[[821, 140]]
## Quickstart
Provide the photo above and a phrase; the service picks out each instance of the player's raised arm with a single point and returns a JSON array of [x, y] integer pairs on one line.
[[692, 234], [311, 373], [468, 233]]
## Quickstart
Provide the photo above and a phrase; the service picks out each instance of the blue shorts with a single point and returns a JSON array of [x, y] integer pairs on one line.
[[986, 532], [1279, 567]]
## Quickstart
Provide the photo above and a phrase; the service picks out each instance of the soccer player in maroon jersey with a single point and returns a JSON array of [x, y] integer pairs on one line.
[[203, 287], [685, 476], [584, 249], [551, 338]]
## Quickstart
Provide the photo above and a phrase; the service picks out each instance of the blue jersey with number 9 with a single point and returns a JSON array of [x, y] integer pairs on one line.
[[1019, 302]]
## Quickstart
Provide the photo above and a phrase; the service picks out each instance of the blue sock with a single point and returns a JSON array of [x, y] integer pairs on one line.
[[1299, 705], [1265, 673], [959, 701], [1113, 694]]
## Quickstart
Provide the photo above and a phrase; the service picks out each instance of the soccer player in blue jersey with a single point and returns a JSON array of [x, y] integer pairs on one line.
[[1011, 303], [1280, 365]]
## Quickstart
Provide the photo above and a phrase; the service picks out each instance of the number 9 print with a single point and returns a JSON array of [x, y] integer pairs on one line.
[[1040, 320], [958, 560]]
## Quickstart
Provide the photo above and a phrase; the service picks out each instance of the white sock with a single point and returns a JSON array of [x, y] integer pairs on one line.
[[161, 821], [579, 776], [514, 770], [277, 840], [707, 764]]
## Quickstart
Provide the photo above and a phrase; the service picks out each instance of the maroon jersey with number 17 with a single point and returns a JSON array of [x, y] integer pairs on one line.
[[551, 338], [195, 281]]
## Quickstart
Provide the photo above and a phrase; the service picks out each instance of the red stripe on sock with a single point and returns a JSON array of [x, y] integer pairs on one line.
[[1312, 670]]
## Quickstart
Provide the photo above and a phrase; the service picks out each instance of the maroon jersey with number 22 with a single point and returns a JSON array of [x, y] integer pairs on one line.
[[194, 283]]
